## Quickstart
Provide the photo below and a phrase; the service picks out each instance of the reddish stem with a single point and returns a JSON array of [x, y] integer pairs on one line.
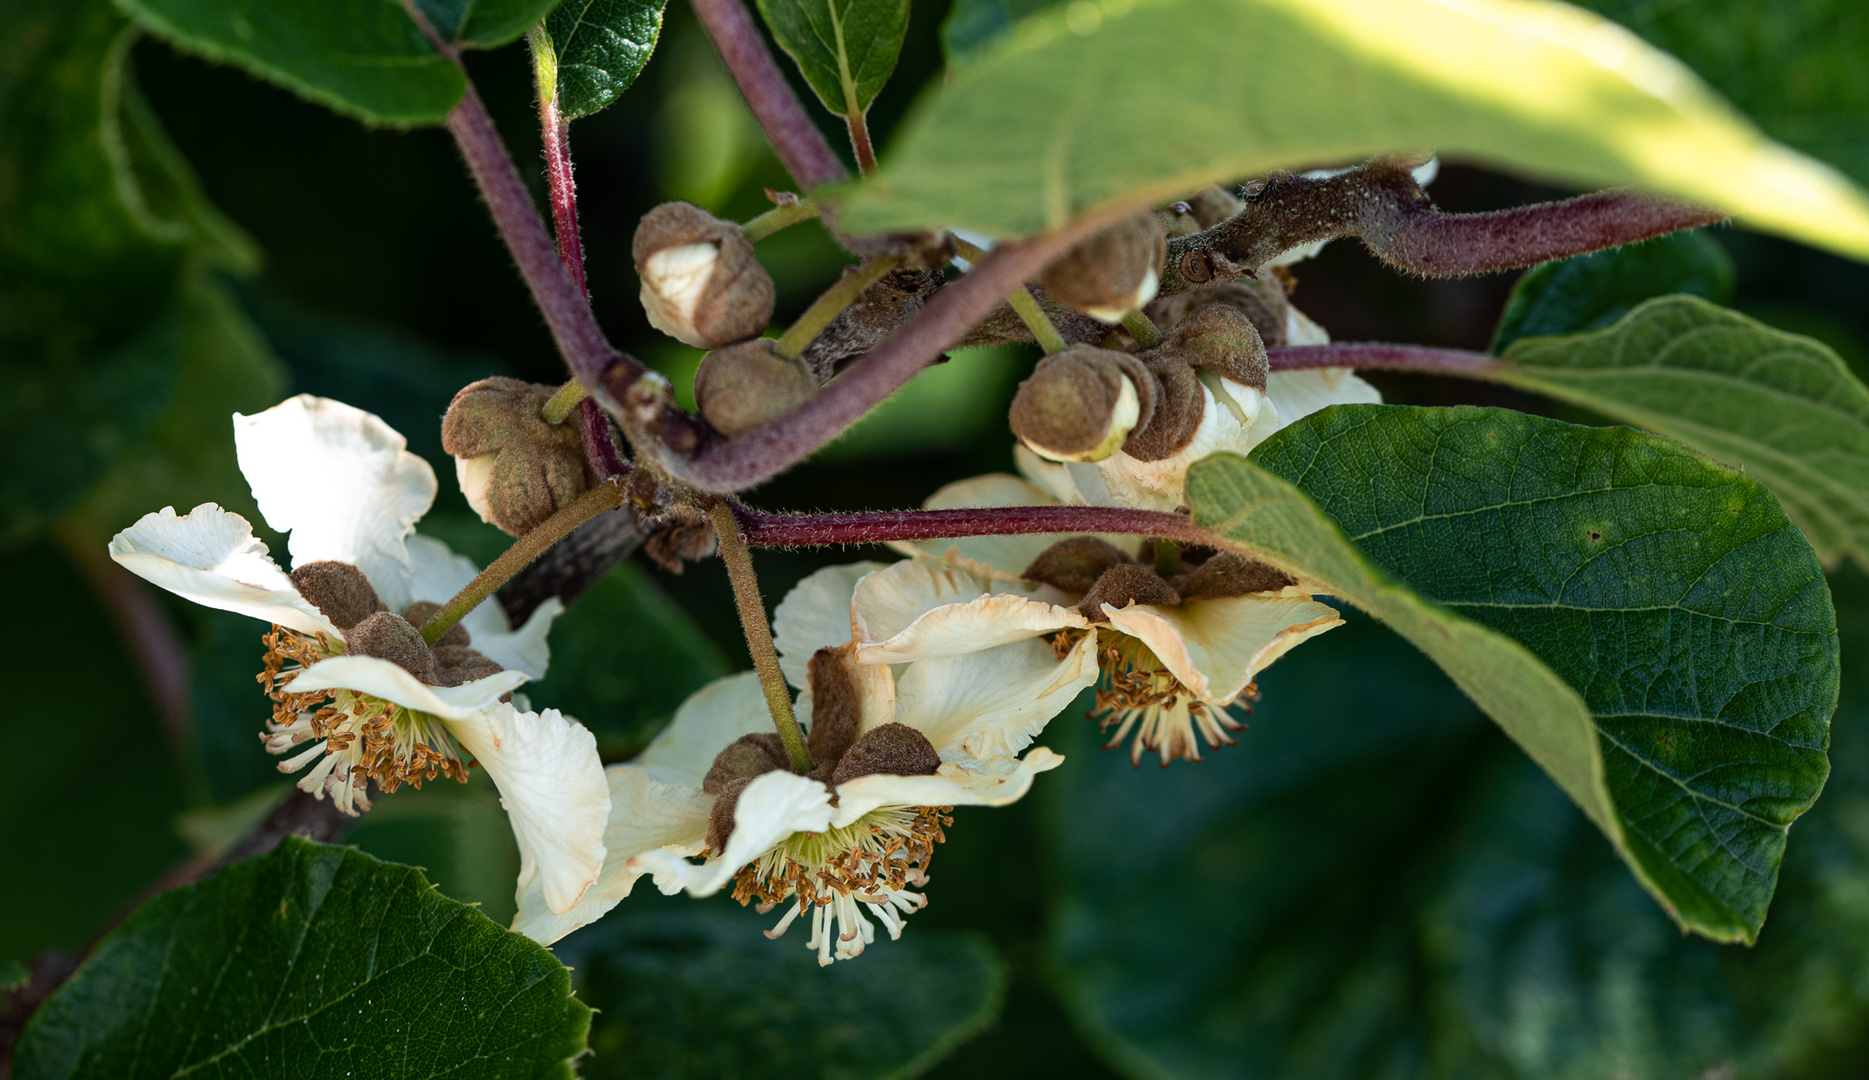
[[805, 530], [1374, 355], [860, 143], [801, 146], [599, 445], [557, 133]]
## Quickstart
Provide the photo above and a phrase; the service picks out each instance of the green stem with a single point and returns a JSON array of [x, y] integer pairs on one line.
[[605, 496], [779, 217], [563, 402], [739, 560], [1023, 303], [1142, 328], [835, 300]]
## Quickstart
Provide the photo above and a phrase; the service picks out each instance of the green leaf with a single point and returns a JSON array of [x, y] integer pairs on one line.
[[13, 975], [1794, 66], [457, 834], [363, 58], [1123, 103], [845, 48], [318, 960], [694, 989], [1591, 291], [601, 46], [624, 657], [484, 24], [1646, 623], [1372, 884], [972, 24], [1784, 408]]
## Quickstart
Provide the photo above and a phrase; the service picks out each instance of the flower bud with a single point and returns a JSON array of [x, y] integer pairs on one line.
[[701, 283], [1113, 272], [743, 386], [1222, 339], [1080, 404], [387, 636], [515, 469]]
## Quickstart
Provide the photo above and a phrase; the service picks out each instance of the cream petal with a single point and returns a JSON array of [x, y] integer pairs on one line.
[[815, 615], [1162, 485], [1217, 647], [993, 703], [341, 482], [644, 815], [995, 556], [1300, 330], [998, 783], [552, 785], [712, 717], [771, 808], [1298, 394], [380, 678], [524, 649], [913, 610], [1049, 476], [439, 572], [211, 556]]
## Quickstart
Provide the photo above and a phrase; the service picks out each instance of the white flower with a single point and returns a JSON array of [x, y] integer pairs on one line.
[[1239, 419], [844, 840], [341, 483], [1167, 670]]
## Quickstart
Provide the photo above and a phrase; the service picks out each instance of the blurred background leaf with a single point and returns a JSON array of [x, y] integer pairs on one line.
[[1590, 292]]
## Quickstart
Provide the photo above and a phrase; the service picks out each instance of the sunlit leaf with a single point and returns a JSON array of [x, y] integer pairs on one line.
[[601, 46], [1126, 102], [845, 48]]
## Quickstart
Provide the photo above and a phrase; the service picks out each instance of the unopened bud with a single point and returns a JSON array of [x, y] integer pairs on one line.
[[1113, 272], [742, 387], [701, 282], [1222, 339], [1080, 404], [515, 469], [387, 636]]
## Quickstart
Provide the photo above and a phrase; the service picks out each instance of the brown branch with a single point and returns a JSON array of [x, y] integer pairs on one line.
[[801, 146], [807, 530], [1381, 204], [1376, 356]]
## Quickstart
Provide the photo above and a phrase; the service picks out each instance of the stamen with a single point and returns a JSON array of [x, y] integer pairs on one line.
[[1136, 693]]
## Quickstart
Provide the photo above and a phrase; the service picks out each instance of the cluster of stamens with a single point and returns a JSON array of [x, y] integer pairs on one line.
[[871, 863], [1136, 694], [356, 738]]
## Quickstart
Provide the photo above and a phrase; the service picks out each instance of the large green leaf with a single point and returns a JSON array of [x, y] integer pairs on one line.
[[1783, 407], [845, 48], [314, 961], [1374, 885], [601, 46], [695, 989], [1795, 66], [364, 58], [1646, 623], [1589, 292], [1126, 102], [484, 24], [972, 25]]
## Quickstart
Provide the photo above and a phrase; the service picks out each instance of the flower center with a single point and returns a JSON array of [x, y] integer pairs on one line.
[[1137, 694], [870, 863], [356, 738]]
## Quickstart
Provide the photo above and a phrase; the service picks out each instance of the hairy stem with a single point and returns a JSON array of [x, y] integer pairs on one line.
[[599, 446], [567, 398], [783, 216], [810, 530], [1141, 328], [788, 128], [859, 126], [1377, 356], [752, 607], [826, 308], [605, 496], [556, 132], [1382, 205]]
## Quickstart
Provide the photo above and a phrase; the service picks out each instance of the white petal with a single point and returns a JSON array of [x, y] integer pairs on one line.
[[1298, 394], [913, 610], [1162, 485], [712, 717], [211, 556], [380, 678], [1300, 330], [644, 815], [524, 649], [1002, 781], [552, 785], [1217, 647], [992, 703], [771, 808], [341, 482], [1050, 476], [815, 615], [439, 573]]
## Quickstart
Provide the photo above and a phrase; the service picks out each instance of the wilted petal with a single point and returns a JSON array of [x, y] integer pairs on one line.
[[645, 815], [341, 482], [380, 678], [771, 808], [712, 717], [211, 556], [815, 615], [552, 785], [1217, 647], [992, 703], [912, 610], [1002, 781]]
